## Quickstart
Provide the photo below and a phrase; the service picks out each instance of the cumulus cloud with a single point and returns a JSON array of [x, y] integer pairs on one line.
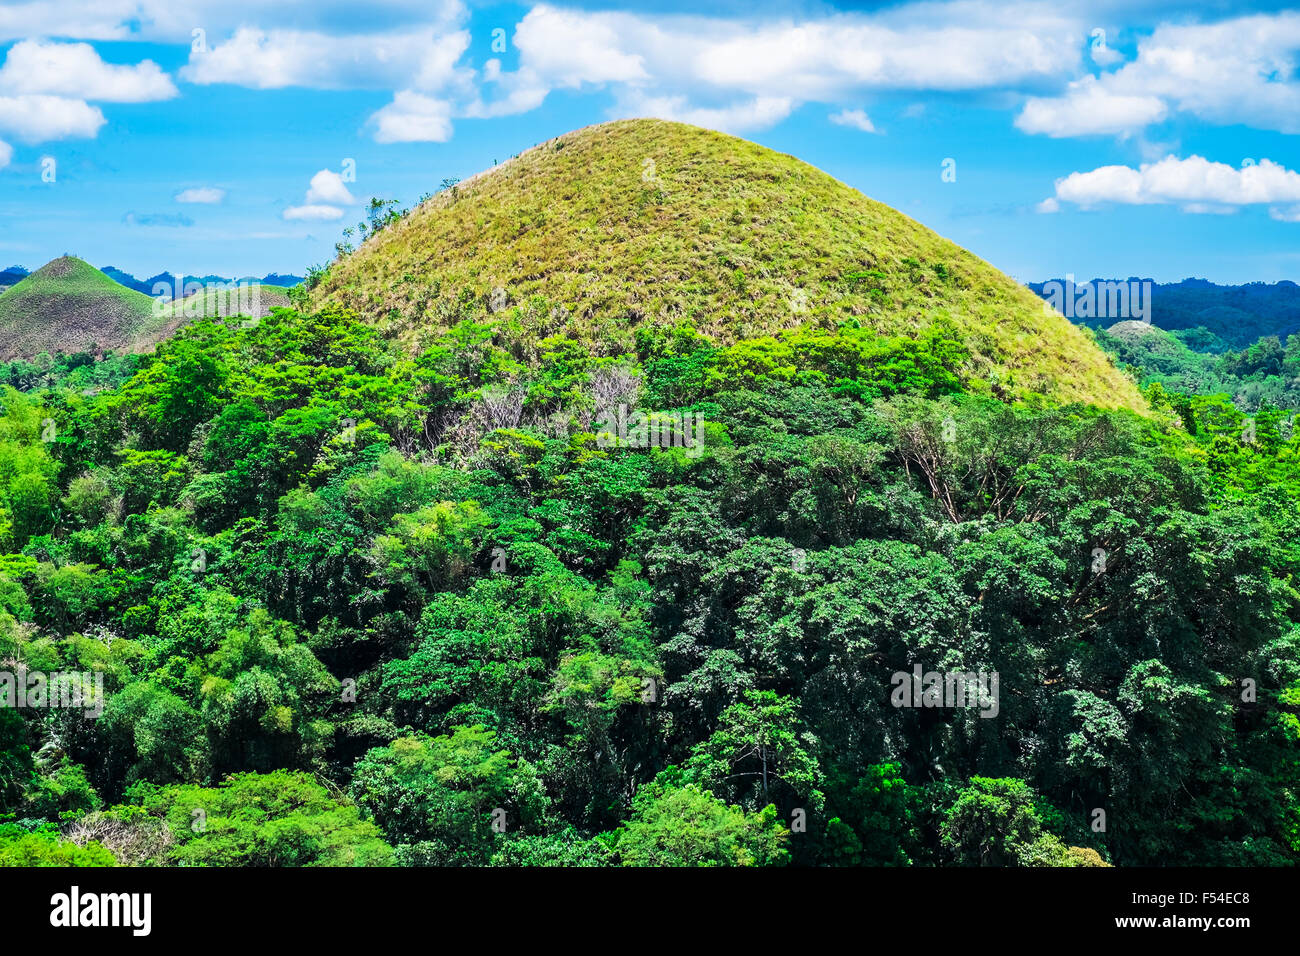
[[201, 194], [314, 213], [1090, 108], [44, 88], [75, 70], [757, 113], [83, 19], [517, 92], [1195, 183], [573, 47], [273, 59], [684, 66], [327, 186], [1240, 70], [413, 118], [731, 73], [326, 195], [735, 71], [819, 59], [39, 118], [172, 21], [858, 119]]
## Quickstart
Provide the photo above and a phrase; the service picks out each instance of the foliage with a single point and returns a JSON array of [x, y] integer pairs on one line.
[[353, 606]]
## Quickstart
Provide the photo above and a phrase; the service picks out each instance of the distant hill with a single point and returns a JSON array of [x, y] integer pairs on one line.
[[12, 276], [70, 306], [635, 227], [1236, 315], [216, 302], [148, 285]]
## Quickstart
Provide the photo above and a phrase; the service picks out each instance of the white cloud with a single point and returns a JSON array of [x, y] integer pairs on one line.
[[858, 119], [75, 70], [1209, 209], [201, 194], [6, 154], [326, 195], [757, 113], [413, 118], [36, 119], [573, 47], [417, 63], [171, 21], [733, 70], [1090, 108], [327, 186], [44, 88], [83, 19], [316, 213], [521, 91], [424, 58], [1242, 70], [818, 59], [1048, 205], [1285, 213], [683, 66], [1195, 183]]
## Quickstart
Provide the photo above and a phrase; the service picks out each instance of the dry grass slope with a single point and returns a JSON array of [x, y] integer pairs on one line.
[[636, 221]]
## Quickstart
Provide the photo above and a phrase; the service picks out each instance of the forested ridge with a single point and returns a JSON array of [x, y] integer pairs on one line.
[[358, 604]]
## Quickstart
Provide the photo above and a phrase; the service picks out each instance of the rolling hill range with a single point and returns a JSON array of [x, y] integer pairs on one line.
[[70, 306], [615, 227], [169, 278]]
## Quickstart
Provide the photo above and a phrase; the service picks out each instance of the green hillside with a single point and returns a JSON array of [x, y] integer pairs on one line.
[[217, 302], [1266, 373], [812, 598], [70, 305], [612, 228]]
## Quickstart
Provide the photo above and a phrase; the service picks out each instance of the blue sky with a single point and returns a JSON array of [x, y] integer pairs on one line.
[[1101, 139]]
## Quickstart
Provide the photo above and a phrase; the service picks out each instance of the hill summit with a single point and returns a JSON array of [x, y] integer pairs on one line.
[[602, 231]]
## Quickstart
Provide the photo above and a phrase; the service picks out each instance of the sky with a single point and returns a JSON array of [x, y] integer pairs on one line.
[[240, 138]]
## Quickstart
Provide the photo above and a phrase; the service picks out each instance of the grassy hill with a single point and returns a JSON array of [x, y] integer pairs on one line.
[[215, 302], [69, 305], [612, 227]]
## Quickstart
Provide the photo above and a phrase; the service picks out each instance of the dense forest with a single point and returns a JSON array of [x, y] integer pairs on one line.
[[354, 604], [1264, 373]]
